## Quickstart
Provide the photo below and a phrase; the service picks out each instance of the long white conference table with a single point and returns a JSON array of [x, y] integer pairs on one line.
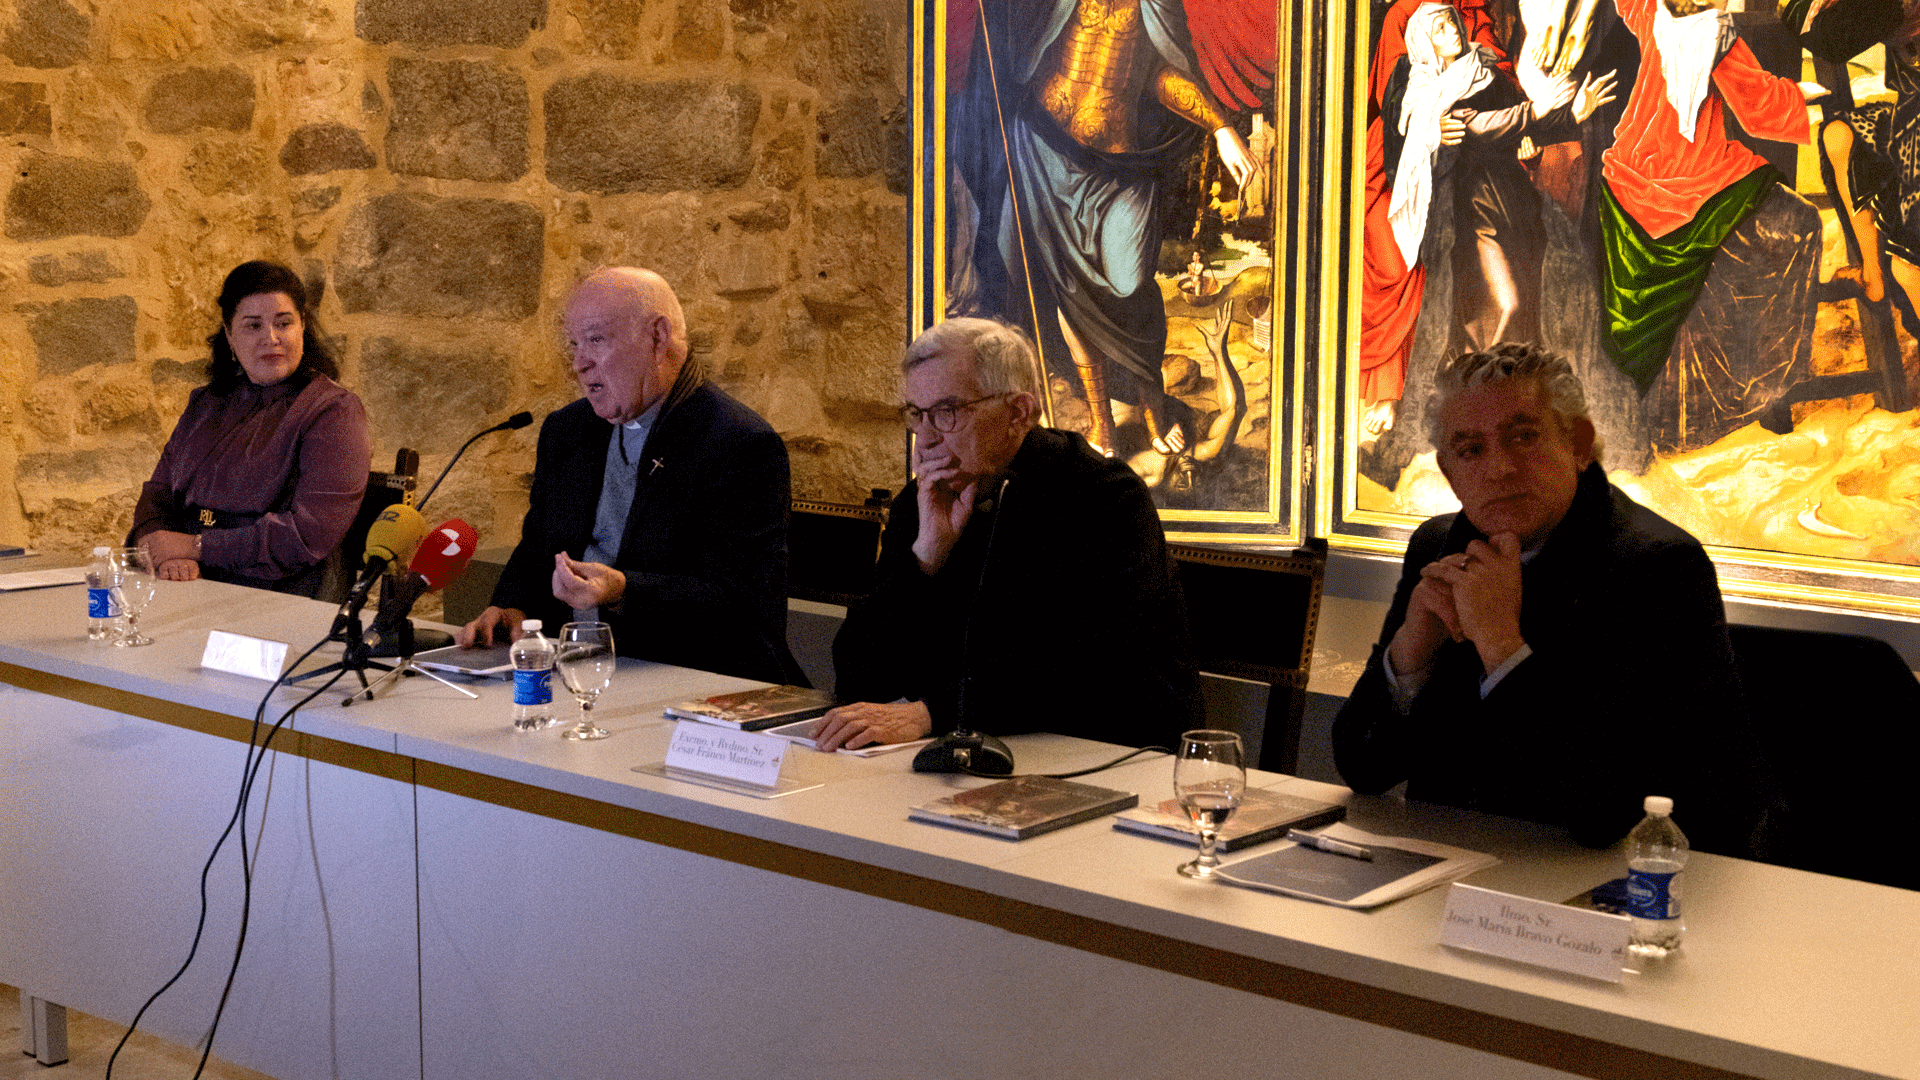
[[437, 896]]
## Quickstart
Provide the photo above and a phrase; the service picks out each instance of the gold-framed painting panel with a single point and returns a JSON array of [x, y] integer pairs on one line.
[[1252, 489], [1352, 523]]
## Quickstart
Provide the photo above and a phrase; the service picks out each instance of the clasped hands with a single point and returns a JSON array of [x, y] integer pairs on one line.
[[175, 554], [1474, 596]]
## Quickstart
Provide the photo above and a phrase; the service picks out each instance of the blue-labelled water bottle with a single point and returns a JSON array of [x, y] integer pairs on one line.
[[102, 617], [1656, 853], [532, 679]]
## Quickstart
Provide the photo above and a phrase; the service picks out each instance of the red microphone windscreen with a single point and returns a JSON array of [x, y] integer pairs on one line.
[[445, 552]]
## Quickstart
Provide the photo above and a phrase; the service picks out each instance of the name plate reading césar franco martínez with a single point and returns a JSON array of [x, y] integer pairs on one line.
[[738, 761], [1576, 940]]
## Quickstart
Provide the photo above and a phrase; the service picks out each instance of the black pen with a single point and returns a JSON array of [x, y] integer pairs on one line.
[[1329, 844]]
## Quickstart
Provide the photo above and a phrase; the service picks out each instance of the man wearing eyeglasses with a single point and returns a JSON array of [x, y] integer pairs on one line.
[[1019, 561]]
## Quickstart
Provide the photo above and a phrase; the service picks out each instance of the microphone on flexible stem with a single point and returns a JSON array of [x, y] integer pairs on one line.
[[512, 423], [964, 750], [391, 540], [442, 556]]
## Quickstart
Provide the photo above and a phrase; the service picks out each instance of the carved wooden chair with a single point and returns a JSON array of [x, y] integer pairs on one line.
[[833, 549]]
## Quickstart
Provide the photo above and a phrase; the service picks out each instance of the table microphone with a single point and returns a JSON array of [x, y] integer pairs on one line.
[[445, 552], [391, 539], [443, 556], [512, 423]]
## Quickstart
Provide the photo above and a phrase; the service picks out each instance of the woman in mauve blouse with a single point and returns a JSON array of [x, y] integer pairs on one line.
[[263, 474]]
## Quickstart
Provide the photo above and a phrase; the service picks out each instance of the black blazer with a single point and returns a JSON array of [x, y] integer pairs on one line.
[[1066, 610], [705, 548], [1631, 689]]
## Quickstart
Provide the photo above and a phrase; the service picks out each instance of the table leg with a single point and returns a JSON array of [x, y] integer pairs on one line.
[[43, 1030]]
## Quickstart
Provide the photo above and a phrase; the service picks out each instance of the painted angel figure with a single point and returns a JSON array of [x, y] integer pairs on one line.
[[1098, 103]]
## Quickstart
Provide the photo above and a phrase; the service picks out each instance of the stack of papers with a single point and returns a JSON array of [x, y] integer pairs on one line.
[[1399, 867]]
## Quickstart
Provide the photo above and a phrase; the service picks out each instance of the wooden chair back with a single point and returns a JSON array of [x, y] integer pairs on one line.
[[833, 550], [1253, 616]]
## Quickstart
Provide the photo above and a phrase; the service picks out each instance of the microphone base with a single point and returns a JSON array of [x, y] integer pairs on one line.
[[423, 639], [971, 752]]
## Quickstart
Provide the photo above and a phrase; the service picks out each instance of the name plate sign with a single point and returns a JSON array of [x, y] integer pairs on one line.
[[1575, 940], [237, 654], [741, 756]]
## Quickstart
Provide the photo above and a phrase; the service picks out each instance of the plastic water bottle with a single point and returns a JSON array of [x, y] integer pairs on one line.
[[532, 679], [102, 620], [1656, 853]]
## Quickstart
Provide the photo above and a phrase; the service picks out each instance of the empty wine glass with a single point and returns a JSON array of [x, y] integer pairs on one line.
[[584, 658], [1209, 778], [133, 589]]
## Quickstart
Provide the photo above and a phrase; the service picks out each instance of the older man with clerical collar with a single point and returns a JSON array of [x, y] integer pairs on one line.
[[659, 503], [1554, 651], [1020, 563]]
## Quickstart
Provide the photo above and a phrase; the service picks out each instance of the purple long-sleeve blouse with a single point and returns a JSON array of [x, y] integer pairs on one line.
[[295, 454]]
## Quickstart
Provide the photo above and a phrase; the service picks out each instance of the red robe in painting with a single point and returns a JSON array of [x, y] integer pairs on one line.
[[1390, 293], [1660, 177]]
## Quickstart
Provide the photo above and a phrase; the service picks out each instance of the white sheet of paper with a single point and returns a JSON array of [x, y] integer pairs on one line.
[[237, 654], [40, 579], [746, 756], [801, 731], [1576, 940]]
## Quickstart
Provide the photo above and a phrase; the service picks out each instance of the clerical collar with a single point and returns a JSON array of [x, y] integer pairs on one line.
[[637, 429]]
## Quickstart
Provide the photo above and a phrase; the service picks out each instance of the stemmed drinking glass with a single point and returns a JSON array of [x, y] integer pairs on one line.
[[133, 589], [585, 661], [1209, 779]]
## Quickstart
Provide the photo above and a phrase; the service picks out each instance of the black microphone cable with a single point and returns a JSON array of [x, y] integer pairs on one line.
[[246, 868], [1110, 764], [249, 770], [1122, 759]]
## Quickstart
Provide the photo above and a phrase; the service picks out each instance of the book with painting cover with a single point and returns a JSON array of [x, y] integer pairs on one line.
[[751, 710], [1262, 815], [1023, 806]]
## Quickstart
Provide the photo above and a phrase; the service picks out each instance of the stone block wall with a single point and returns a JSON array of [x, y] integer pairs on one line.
[[443, 170]]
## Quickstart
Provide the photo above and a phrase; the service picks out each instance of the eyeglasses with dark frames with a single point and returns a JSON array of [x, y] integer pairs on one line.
[[945, 416]]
